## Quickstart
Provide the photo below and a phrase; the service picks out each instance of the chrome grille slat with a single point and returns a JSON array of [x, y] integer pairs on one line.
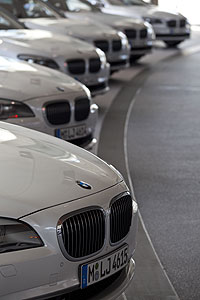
[[98, 224], [120, 218], [90, 221], [77, 235], [84, 234], [81, 233], [70, 236]]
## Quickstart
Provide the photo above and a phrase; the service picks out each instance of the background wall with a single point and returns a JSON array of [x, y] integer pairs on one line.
[[189, 8]]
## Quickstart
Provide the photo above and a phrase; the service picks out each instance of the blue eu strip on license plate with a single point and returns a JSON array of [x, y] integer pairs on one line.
[[58, 133], [104, 267], [84, 276]]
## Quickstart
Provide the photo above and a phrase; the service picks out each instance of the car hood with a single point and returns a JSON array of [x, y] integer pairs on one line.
[[76, 28], [32, 81], [26, 41], [117, 22], [141, 11], [39, 171]]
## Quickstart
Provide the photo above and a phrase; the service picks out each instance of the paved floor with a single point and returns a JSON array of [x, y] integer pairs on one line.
[[164, 156], [162, 139]]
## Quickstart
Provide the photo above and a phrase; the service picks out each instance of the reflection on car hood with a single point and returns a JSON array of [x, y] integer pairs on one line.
[[39, 171], [43, 42], [117, 22], [32, 81], [141, 11], [81, 29]]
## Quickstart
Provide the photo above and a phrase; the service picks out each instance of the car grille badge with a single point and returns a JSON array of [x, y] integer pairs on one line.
[[84, 185]]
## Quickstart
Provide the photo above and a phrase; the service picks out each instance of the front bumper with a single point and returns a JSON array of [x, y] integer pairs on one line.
[[118, 60], [108, 289], [99, 88], [173, 37], [140, 47], [40, 123], [165, 33], [96, 82]]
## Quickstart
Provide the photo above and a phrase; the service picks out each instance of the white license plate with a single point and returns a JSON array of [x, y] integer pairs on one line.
[[72, 133], [103, 267]]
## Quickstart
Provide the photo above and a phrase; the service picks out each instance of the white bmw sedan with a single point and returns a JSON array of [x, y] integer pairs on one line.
[[67, 223], [48, 101], [169, 26], [71, 56], [36, 14], [139, 33]]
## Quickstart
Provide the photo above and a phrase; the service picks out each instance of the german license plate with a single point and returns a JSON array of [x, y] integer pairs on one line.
[[72, 133], [103, 267]]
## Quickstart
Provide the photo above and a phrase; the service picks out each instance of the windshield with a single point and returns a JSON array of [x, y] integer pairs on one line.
[[29, 9], [127, 2], [70, 5], [8, 23]]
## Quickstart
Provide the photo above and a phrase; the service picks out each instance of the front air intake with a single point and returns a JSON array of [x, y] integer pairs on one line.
[[82, 109], [76, 67], [94, 65], [116, 45], [102, 44], [143, 33], [58, 113], [120, 218], [131, 33], [83, 233], [171, 23]]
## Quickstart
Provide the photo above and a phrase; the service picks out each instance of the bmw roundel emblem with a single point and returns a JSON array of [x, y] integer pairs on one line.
[[84, 185]]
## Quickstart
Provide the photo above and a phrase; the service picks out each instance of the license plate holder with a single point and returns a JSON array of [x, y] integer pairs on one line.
[[71, 133], [103, 267]]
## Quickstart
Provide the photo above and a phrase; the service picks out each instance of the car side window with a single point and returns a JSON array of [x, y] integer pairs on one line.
[[35, 9], [4, 23], [76, 5]]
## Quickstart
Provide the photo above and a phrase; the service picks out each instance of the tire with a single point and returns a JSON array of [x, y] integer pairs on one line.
[[134, 58], [172, 44]]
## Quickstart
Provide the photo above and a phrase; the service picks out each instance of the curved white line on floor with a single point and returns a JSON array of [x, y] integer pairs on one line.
[[131, 185]]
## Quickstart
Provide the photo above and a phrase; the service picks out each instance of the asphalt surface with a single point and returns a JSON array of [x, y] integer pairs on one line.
[[164, 156], [160, 95]]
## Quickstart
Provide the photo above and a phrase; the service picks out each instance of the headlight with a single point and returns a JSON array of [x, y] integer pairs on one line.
[[123, 38], [102, 56], [43, 61], [15, 235], [13, 109], [135, 206], [150, 31], [152, 20]]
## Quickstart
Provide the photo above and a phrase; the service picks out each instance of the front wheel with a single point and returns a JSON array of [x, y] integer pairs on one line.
[[172, 44], [134, 58]]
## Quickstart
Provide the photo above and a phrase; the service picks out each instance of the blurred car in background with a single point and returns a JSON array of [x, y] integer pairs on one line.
[[48, 101], [140, 34], [61, 214], [69, 55], [37, 14], [170, 27]]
